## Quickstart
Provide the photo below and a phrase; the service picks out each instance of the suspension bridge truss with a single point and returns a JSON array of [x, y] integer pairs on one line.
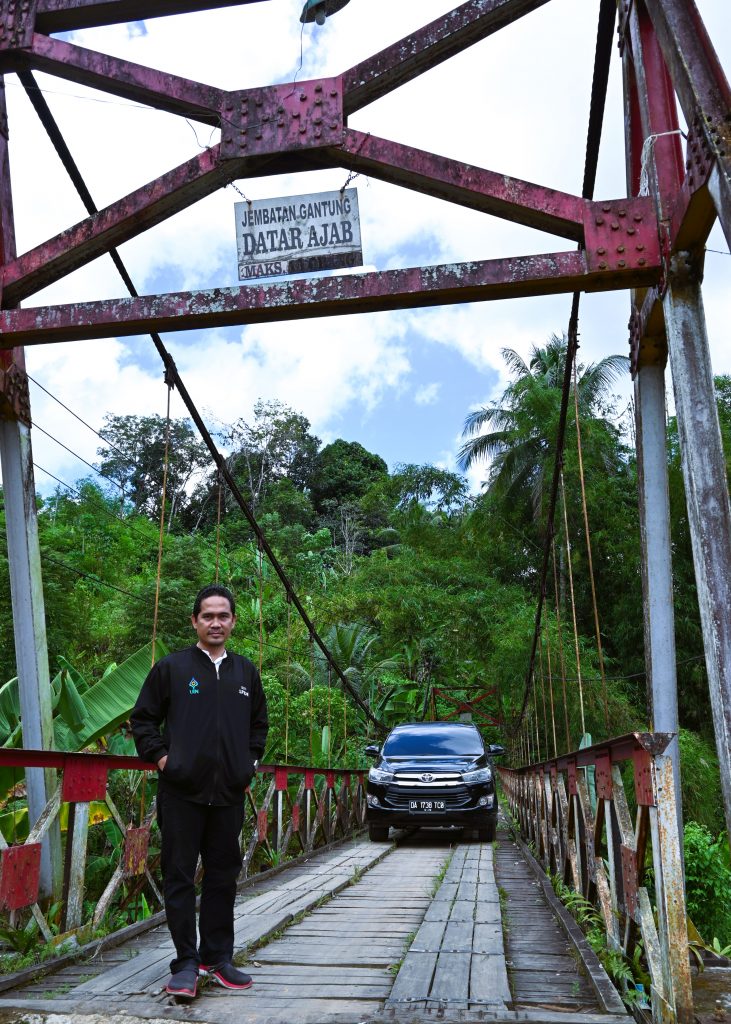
[[647, 239]]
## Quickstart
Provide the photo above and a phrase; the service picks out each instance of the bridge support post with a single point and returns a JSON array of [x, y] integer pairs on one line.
[[24, 557], [657, 568], [706, 490]]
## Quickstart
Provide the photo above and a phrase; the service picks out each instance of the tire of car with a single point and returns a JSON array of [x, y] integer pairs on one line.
[[377, 833], [488, 833]]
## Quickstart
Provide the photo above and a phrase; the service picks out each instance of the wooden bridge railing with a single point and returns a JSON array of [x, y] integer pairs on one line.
[[596, 849], [300, 808]]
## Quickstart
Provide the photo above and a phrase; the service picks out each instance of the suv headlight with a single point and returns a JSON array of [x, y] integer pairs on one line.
[[379, 775], [480, 775]]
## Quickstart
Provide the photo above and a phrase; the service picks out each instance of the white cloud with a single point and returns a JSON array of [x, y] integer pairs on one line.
[[517, 102], [428, 394]]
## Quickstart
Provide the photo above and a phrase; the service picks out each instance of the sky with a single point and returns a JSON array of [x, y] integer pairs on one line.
[[399, 383]]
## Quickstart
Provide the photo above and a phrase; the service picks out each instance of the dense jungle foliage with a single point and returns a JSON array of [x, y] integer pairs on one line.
[[424, 592]]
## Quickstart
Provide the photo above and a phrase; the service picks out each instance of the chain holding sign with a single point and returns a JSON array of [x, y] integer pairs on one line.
[[298, 234]]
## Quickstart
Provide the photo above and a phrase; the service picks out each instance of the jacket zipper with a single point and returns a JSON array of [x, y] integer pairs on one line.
[[214, 782]]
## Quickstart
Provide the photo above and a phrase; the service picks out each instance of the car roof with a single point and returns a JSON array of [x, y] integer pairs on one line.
[[419, 726]]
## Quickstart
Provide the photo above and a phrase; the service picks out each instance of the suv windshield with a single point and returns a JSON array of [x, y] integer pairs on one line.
[[425, 741]]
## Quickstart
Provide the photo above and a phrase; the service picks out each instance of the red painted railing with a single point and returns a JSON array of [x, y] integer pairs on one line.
[[301, 809], [589, 840]]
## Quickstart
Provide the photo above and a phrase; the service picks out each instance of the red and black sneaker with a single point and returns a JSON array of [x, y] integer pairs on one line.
[[228, 976], [183, 985]]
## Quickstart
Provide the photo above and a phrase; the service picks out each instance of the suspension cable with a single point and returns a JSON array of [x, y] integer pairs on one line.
[[543, 691], [49, 123], [560, 646], [162, 520], [588, 552], [573, 605], [218, 526], [550, 690]]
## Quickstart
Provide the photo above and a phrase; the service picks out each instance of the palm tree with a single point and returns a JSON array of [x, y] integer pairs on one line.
[[519, 442]]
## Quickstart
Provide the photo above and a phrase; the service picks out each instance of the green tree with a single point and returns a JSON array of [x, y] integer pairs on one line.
[[520, 442], [134, 458], [274, 445], [343, 471]]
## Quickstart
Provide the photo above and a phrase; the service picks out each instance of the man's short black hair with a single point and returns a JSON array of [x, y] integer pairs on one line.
[[213, 590]]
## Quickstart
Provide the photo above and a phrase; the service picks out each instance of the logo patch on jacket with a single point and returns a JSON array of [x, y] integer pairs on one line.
[[193, 685], [244, 691]]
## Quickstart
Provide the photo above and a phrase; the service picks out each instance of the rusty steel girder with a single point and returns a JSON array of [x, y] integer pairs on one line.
[[546, 274], [295, 127]]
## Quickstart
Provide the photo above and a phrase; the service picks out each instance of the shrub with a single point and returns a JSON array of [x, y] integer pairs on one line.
[[708, 882]]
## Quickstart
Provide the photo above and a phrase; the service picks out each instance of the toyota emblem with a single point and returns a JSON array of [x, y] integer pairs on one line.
[[426, 777]]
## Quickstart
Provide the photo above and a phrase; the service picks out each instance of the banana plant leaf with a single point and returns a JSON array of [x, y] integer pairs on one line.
[[14, 824], [78, 680], [70, 705], [9, 708], [108, 703]]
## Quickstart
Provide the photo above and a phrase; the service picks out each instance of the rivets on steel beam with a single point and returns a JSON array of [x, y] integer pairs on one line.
[[334, 125], [601, 250], [622, 263], [631, 231], [318, 87], [606, 207], [603, 265], [295, 113], [303, 96], [614, 226], [637, 217], [620, 248], [260, 103], [642, 261], [318, 133], [599, 220], [333, 93], [640, 248], [302, 129], [258, 133]]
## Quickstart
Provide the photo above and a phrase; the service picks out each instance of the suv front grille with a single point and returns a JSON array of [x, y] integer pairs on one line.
[[398, 797]]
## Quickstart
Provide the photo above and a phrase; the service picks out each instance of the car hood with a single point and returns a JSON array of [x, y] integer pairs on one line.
[[434, 765]]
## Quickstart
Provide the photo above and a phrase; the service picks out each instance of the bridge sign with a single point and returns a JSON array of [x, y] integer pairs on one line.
[[297, 234]]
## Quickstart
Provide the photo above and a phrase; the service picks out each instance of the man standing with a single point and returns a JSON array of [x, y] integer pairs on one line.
[[201, 716]]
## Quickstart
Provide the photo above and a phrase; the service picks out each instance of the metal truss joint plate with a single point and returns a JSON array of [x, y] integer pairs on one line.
[[282, 118], [621, 234], [17, 23]]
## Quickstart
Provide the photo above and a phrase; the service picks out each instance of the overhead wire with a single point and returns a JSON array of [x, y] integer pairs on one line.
[[49, 123], [600, 79]]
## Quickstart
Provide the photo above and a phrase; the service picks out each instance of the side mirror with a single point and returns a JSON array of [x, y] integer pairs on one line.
[[372, 750], [496, 750]]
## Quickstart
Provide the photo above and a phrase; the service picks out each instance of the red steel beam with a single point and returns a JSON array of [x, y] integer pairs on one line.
[[120, 78], [547, 274], [119, 222], [67, 15], [535, 206], [703, 90], [429, 46]]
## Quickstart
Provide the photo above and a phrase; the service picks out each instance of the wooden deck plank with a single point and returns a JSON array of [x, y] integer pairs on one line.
[[452, 980], [489, 979]]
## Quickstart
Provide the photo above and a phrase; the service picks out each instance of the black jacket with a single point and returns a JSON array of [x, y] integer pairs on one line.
[[212, 729]]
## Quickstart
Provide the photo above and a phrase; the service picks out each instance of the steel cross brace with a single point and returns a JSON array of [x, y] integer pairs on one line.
[[297, 127]]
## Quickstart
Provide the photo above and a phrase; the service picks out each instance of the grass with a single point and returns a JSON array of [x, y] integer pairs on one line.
[[395, 967], [440, 875]]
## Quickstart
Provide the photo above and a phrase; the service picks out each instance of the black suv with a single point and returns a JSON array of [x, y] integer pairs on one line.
[[432, 773]]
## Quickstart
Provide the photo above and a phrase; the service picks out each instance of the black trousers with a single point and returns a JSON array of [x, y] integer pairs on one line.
[[190, 829]]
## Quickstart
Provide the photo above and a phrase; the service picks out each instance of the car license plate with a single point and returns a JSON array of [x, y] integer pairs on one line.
[[426, 806]]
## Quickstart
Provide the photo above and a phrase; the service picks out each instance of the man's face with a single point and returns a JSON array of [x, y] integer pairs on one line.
[[214, 622]]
